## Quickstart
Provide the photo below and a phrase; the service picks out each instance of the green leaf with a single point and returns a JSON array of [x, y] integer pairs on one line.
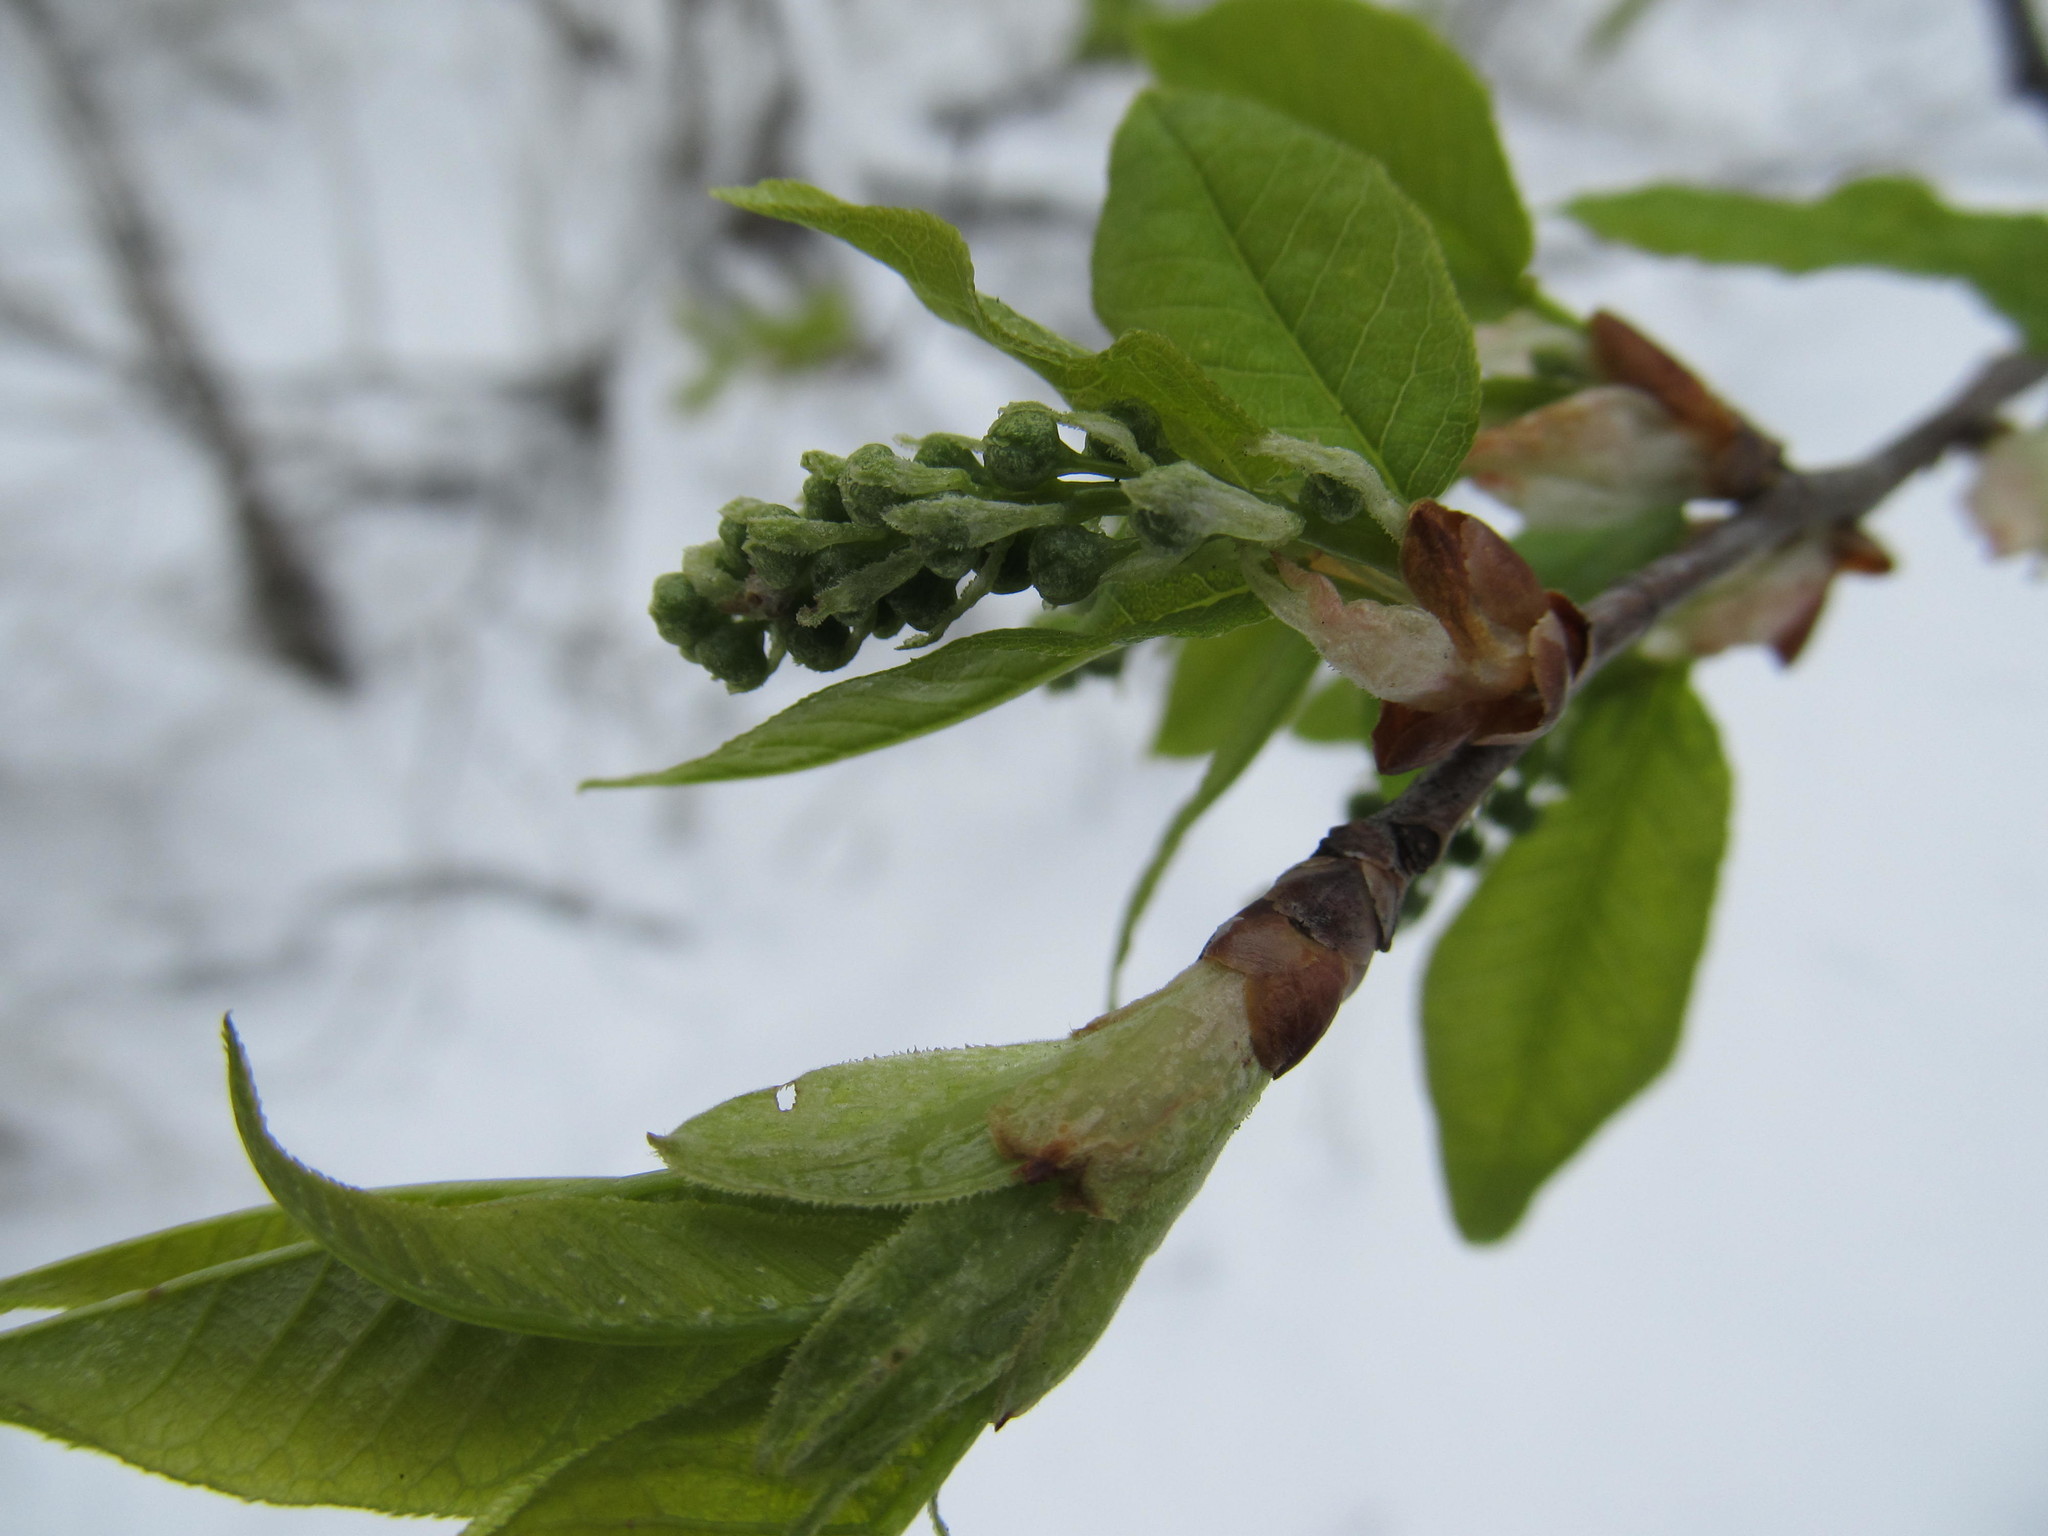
[[1558, 992], [1293, 270], [930, 255], [1340, 713], [653, 1261], [893, 1130], [1881, 221], [1385, 84], [954, 683], [925, 1322], [1214, 681], [1274, 680], [145, 1261], [1584, 562], [696, 1470], [288, 1377]]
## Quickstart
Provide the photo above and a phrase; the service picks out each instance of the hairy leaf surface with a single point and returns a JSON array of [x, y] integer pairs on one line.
[[1293, 270], [651, 1262], [956, 682], [1384, 83], [926, 1321], [288, 1377], [893, 1130], [696, 1470], [1274, 678], [930, 255], [1880, 221], [1559, 991]]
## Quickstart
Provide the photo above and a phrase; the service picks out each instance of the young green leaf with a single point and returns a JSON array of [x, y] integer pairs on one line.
[[287, 1377], [1559, 991], [1274, 676], [1384, 83], [954, 683], [924, 1322], [652, 1261], [696, 1470], [893, 1130], [1340, 713], [1881, 221], [930, 255], [1213, 682], [1292, 269], [145, 1261], [1584, 562]]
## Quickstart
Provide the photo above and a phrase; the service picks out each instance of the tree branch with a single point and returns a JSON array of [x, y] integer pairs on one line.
[[2025, 50], [291, 608], [1304, 945]]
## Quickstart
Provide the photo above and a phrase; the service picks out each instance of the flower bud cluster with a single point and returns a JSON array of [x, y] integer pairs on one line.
[[880, 543]]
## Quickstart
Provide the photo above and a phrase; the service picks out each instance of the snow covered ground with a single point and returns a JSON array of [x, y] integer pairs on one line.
[[1797, 1288]]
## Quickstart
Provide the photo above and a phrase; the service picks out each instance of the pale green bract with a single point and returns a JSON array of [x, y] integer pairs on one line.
[[1558, 992]]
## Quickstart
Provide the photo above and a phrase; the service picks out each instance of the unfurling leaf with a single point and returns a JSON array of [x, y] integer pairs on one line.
[[1383, 83], [649, 1261], [1881, 221], [1558, 992], [1485, 654], [285, 1376], [1291, 268], [1589, 461]]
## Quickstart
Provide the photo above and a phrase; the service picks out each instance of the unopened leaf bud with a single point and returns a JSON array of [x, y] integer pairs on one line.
[[947, 450], [923, 600], [681, 613], [736, 656], [823, 647], [1068, 563], [1023, 448]]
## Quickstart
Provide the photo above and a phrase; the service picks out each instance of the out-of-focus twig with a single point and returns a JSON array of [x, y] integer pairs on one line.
[[292, 610], [2025, 49]]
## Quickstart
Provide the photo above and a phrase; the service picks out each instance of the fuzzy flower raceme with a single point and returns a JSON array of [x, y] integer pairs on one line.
[[1484, 654], [803, 1323]]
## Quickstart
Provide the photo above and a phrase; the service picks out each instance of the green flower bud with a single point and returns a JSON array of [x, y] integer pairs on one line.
[[947, 450], [704, 565], [736, 656], [887, 623], [779, 567], [732, 533], [822, 501], [822, 647], [923, 600], [1023, 448], [1067, 563], [876, 478], [1330, 499], [1143, 423], [1014, 575], [681, 613]]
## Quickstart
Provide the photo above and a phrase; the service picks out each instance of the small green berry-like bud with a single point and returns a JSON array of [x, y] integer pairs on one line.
[[822, 501], [1067, 563], [947, 450], [1023, 448], [888, 622], [1330, 499], [1015, 573], [735, 656], [823, 647], [864, 485], [921, 601], [1144, 424], [780, 568], [681, 613]]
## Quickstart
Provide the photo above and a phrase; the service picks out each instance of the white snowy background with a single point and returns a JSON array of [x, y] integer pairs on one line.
[[1801, 1286]]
